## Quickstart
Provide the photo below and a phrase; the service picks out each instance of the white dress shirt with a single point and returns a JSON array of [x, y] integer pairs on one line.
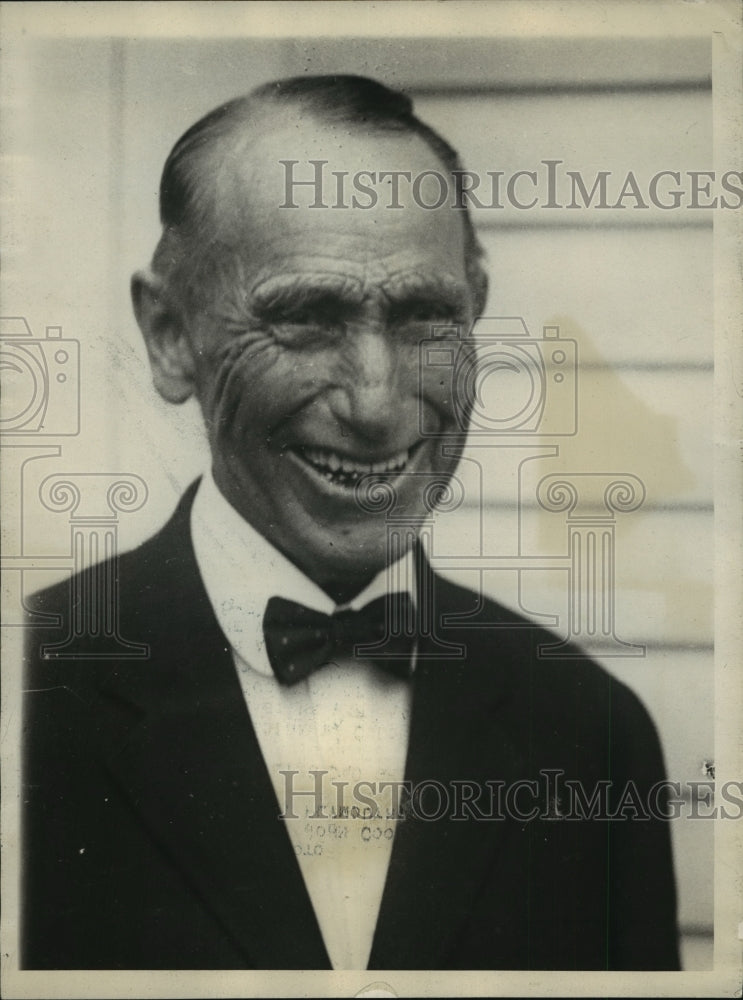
[[348, 719]]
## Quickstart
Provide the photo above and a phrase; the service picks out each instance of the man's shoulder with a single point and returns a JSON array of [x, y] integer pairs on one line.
[[553, 681], [131, 611], [137, 573], [496, 629]]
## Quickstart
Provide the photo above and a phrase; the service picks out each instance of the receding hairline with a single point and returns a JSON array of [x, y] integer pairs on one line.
[[359, 103], [189, 204]]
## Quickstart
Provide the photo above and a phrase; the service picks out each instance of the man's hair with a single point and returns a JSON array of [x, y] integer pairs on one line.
[[187, 212]]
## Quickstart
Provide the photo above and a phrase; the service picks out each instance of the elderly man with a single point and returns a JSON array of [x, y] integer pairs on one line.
[[221, 803]]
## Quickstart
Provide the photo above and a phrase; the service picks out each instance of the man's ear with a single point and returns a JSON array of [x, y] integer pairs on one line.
[[168, 347]]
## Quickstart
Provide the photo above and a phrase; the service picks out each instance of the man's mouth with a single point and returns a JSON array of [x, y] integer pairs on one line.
[[344, 472]]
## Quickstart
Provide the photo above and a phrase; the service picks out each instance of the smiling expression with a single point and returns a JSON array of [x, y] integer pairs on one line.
[[305, 353]]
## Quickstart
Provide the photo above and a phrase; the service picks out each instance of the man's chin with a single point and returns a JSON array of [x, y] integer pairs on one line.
[[344, 566], [343, 578]]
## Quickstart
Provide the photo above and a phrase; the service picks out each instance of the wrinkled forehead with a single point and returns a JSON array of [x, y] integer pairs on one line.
[[298, 179]]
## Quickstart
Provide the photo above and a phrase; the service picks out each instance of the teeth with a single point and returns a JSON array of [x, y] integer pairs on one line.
[[329, 462]]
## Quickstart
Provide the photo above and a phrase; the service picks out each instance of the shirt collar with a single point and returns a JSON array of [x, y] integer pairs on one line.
[[241, 571]]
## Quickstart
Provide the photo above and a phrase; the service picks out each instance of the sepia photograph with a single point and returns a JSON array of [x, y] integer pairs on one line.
[[372, 381]]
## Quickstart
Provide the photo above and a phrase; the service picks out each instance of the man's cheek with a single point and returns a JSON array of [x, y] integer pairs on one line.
[[246, 376], [438, 405], [255, 348]]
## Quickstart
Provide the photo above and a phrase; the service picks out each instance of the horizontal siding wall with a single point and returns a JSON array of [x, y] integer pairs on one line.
[[633, 288]]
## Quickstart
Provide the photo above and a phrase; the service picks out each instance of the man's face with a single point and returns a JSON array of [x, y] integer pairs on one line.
[[306, 352]]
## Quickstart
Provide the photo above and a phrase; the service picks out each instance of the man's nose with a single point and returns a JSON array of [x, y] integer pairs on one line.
[[377, 398]]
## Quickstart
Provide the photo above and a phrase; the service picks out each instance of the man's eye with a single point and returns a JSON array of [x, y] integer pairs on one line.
[[302, 317], [316, 314], [423, 312], [303, 326]]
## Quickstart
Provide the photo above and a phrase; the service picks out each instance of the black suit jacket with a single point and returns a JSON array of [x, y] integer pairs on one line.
[[150, 830]]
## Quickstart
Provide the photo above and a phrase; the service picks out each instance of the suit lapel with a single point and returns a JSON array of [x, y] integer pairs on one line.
[[456, 735], [182, 747], [179, 741]]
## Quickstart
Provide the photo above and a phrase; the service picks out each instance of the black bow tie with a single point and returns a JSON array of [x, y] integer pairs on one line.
[[299, 640]]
